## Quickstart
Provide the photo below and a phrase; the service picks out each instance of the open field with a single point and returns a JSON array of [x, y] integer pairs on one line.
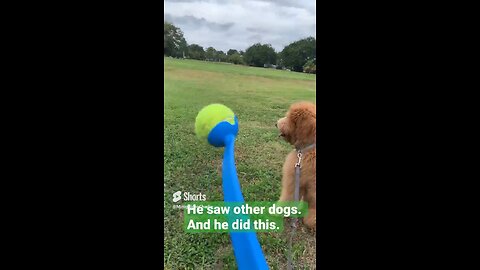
[[259, 97]]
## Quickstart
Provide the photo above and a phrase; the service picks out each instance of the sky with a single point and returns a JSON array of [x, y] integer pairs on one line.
[[238, 24]]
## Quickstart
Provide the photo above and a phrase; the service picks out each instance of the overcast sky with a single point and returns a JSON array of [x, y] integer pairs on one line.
[[238, 24]]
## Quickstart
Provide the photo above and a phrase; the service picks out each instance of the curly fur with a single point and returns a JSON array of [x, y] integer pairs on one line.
[[299, 129]]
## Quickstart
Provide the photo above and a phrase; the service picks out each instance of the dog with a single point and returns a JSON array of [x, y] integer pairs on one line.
[[299, 129]]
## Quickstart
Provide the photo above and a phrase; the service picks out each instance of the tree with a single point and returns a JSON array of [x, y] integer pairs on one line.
[[310, 66], [235, 58], [280, 64], [296, 54], [210, 54], [174, 44], [231, 52], [221, 56], [196, 52], [259, 55]]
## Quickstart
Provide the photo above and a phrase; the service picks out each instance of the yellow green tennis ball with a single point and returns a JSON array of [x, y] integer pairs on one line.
[[210, 116]]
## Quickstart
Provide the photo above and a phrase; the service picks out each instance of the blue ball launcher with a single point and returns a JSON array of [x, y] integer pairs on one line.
[[247, 250]]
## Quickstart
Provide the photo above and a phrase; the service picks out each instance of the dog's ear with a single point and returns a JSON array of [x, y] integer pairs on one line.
[[303, 116]]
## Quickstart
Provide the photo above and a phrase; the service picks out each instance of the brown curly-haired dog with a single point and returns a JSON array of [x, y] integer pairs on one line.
[[299, 129]]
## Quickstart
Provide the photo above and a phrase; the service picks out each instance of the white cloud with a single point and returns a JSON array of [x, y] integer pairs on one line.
[[235, 24]]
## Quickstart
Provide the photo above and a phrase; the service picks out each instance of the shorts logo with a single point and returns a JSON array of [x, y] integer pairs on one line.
[[177, 196]]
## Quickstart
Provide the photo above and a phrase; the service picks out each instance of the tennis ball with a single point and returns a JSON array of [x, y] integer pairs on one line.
[[209, 117]]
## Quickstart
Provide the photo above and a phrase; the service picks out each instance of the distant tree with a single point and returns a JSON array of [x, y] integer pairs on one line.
[[310, 66], [231, 52], [258, 55], [241, 53], [295, 55], [174, 44], [221, 56], [210, 54], [196, 52], [280, 64], [235, 58]]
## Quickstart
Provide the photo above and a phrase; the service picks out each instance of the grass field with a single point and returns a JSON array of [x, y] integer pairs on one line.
[[259, 97]]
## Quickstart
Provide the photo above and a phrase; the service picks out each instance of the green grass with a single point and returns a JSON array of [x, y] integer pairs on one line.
[[259, 97]]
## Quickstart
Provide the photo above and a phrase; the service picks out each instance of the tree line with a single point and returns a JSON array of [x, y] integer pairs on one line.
[[298, 56]]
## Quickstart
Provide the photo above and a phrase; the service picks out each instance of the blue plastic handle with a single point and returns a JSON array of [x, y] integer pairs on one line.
[[247, 250]]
